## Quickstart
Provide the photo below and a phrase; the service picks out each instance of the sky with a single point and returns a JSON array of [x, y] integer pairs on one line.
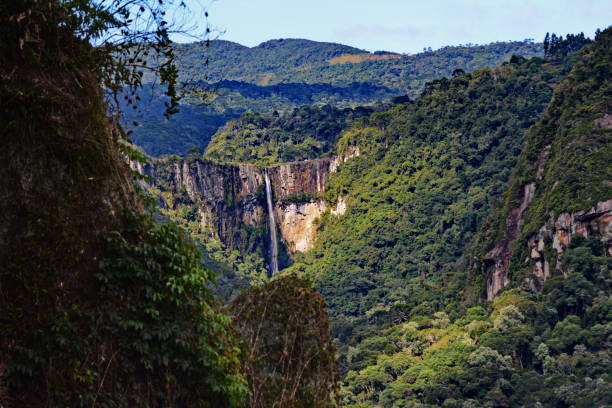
[[404, 26]]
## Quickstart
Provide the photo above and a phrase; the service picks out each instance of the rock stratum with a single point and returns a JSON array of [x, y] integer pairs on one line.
[[229, 201], [550, 242], [561, 185]]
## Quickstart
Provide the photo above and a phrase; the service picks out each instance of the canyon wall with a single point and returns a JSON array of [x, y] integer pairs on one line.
[[548, 244], [561, 188], [229, 199]]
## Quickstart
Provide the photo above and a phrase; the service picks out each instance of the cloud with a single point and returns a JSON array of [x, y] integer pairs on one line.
[[361, 31]]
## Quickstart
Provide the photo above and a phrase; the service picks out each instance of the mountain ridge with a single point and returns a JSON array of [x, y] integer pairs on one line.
[[302, 55], [283, 75]]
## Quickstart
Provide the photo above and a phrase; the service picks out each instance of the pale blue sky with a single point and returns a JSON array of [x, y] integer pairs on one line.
[[402, 25]]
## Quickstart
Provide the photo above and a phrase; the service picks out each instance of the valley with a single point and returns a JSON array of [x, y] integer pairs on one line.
[[299, 224], [393, 216]]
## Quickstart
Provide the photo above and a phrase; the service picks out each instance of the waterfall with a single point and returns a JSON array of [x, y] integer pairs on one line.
[[273, 238]]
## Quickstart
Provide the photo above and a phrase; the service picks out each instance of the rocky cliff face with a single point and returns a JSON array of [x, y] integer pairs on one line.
[[501, 255], [298, 189], [561, 185], [297, 223], [225, 197], [555, 236], [548, 244], [230, 201]]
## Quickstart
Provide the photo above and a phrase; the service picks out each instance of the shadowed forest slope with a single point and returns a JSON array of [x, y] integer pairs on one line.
[[279, 75]]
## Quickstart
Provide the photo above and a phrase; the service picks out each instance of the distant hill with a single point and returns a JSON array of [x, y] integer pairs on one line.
[[262, 64], [311, 62], [283, 74]]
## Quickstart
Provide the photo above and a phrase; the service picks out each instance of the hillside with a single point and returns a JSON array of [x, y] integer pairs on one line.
[[307, 132], [423, 182], [461, 239], [341, 228], [425, 178], [441, 231], [543, 340], [560, 186], [309, 62], [280, 75]]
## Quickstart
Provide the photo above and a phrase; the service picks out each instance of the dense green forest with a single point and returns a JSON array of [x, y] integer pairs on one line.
[[198, 120], [310, 62], [403, 270], [100, 305], [426, 177], [305, 133], [547, 347], [568, 170], [275, 76]]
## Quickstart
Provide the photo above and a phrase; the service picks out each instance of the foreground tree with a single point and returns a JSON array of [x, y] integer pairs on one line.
[[288, 354], [99, 306]]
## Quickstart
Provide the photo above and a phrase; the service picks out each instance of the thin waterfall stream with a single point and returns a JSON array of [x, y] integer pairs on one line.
[[273, 237]]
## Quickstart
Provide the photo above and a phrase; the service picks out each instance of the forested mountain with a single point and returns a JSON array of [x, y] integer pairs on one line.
[[545, 339], [310, 62], [425, 179], [462, 238], [198, 120], [280, 75], [561, 183], [306, 132]]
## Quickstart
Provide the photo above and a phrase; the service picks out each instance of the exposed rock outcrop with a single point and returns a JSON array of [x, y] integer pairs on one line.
[[305, 177], [297, 223], [231, 198], [501, 254], [558, 231], [340, 207], [549, 243]]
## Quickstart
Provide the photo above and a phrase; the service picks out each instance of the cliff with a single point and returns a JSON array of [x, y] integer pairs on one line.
[[561, 186], [229, 204], [546, 246]]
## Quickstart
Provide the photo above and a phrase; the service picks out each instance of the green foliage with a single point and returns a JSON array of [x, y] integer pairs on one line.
[[288, 354], [425, 179], [288, 61], [100, 307], [157, 306], [151, 336], [566, 334], [392, 257], [558, 47], [566, 155], [525, 350], [507, 318], [307, 132], [192, 126], [299, 198]]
